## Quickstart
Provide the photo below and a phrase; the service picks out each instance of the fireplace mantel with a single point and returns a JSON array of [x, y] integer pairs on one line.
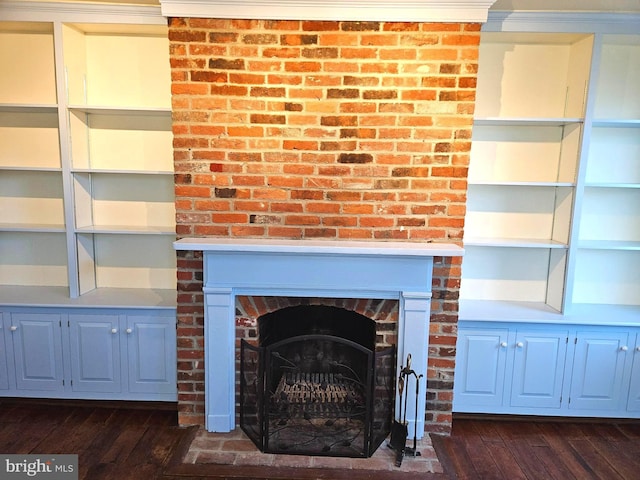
[[325, 247], [306, 268], [338, 10]]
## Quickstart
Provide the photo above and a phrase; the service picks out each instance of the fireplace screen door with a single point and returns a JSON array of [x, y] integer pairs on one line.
[[316, 395]]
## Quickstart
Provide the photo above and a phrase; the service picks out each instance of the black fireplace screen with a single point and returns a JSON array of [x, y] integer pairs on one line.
[[316, 394]]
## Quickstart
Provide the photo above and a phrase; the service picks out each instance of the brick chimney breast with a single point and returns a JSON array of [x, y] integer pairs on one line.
[[322, 129]]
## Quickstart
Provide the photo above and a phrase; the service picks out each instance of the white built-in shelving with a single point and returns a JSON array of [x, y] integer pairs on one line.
[[608, 217], [553, 216], [86, 169], [550, 294]]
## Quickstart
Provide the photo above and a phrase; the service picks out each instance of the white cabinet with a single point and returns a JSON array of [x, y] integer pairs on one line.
[[598, 366], [151, 344], [4, 369], [552, 230], [480, 366], [88, 353], [538, 368], [553, 369], [86, 158], [633, 402], [95, 353], [36, 341], [500, 368], [87, 215]]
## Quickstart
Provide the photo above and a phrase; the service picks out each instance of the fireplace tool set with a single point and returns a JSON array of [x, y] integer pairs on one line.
[[399, 429]]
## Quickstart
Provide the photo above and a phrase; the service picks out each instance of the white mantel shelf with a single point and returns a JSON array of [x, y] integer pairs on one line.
[[311, 269], [329, 247], [333, 10]]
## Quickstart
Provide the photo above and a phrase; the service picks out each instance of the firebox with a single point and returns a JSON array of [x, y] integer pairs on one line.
[[315, 384]]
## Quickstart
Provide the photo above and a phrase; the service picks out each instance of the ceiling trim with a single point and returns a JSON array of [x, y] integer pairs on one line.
[[574, 22], [474, 11], [80, 12]]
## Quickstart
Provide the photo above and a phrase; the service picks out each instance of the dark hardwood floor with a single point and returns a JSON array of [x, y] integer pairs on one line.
[[536, 449], [145, 443]]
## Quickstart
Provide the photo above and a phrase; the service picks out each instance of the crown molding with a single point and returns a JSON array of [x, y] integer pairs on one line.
[[474, 11], [570, 22], [80, 12]]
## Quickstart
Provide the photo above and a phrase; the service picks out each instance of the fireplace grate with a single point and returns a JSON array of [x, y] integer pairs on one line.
[[319, 394]]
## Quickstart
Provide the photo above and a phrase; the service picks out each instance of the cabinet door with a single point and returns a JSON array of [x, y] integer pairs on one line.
[[4, 372], [480, 367], [598, 367], [633, 403], [538, 369], [95, 353], [37, 349], [151, 344]]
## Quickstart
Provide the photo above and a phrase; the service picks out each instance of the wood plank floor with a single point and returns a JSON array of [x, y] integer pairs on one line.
[[145, 443], [528, 449]]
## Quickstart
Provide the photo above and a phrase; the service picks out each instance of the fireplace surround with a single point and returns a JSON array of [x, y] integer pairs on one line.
[[322, 268]]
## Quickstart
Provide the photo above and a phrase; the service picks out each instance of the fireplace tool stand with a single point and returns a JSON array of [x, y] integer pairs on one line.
[[399, 430]]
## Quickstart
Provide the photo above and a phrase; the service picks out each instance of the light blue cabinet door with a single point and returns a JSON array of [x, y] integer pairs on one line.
[[95, 353], [598, 367], [633, 403], [37, 349], [480, 367], [4, 359], [538, 369], [151, 344]]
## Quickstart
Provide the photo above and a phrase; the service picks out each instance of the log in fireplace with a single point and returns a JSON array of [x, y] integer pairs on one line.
[[315, 384]]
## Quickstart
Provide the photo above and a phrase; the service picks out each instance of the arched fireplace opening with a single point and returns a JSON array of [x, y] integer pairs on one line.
[[315, 384]]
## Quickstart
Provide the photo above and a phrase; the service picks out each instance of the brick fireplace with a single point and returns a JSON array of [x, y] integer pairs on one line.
[[322, 130]]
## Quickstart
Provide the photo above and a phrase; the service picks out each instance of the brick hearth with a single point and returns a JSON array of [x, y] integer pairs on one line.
[[236, 449]]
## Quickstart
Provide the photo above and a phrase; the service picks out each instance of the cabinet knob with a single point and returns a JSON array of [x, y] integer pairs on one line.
[[519, 344], [13, 328], [624, 348], [129, 330], [503, 344], [638, 348], [114, 330]]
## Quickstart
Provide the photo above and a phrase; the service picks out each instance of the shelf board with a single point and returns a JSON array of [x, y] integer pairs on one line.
[[541, 313], [525, 121], [513, 242], [20, 296], [616, 122], [103, 171], [521, 184], [27, 108], [609, 245], [603, 314], [16, 168], [32, 227], [128, 229], [107, 110], [505, 311], [612, 185]]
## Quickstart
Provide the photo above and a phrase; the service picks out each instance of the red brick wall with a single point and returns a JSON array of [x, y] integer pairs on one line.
[[333, 130]]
